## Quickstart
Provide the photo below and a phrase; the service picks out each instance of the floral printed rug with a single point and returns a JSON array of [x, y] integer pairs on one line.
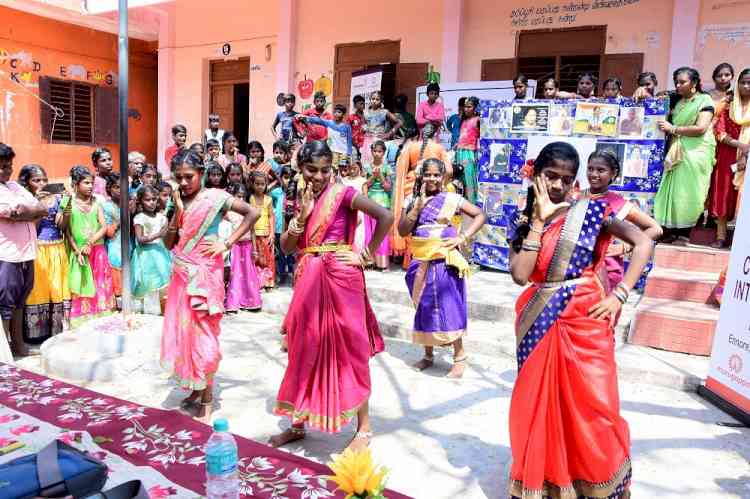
[[161, 448]]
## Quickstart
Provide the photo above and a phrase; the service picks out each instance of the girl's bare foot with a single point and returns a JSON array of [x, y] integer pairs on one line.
[[205, 409], [287, 436], [423, 363], [459, 366], [190, 400], [360, 442]]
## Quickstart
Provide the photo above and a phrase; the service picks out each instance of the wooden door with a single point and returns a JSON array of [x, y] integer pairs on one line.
[[499, 69], [222, 103], [350, 57], [409, 76], [626, 67], [342, 83]]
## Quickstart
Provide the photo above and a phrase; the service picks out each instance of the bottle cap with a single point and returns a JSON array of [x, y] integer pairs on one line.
[[221, 424]]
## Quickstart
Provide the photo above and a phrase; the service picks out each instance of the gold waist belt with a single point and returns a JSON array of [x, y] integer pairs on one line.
[[560, 284], [327, 248]]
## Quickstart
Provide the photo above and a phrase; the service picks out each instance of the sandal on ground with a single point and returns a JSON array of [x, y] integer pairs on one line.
[[360, 436], [424, 363], [287, 436], [457, 372]]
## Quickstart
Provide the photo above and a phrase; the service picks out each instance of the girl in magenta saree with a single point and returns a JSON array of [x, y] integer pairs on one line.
[[567, 437], [331, 329], [195, 298], [437, 272]]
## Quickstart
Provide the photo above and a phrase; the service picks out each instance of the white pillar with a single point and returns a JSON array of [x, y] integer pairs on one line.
[[683, 44], [165, 90], [453, 13], [286, 45]]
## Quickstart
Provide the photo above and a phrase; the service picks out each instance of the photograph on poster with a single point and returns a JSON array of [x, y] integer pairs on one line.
[[617, 149], [560, 119], [650, 128], [636, 161], [527, 118], [593, 118], [631, 122], [499, 159], [492, 199], [492, 235], [498, 118]]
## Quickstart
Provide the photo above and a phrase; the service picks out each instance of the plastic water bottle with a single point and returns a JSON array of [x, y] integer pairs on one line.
[[221, 463]]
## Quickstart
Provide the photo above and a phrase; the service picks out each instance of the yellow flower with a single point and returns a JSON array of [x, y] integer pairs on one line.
[[356, 474]]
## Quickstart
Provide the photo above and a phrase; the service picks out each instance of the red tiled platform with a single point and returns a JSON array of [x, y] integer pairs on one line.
[[677, 312]]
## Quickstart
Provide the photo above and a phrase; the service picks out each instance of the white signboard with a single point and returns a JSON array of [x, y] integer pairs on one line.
[[482, 90], [365, 83], [729, 374]]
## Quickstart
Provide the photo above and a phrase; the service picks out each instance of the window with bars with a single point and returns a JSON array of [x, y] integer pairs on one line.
[[88, 113]]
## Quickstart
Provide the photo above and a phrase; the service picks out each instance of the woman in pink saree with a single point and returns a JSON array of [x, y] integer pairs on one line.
[[331, 329], [195, 300]]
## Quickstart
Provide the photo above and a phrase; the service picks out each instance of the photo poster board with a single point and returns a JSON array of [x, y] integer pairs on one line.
[[728, 381], [364, 83], [482, 90], [513, 132]]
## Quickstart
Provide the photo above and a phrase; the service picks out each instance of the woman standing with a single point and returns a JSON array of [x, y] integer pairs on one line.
[[466, 149], [732, 131], [331, 329], [721, 94], [380, 124], [690, 159], [412, 155], [47, 310], [566, 433], [231, 153], [436, 274], [195, 298]]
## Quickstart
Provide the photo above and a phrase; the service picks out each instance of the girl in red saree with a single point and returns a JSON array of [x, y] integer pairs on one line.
[[567, 437], [330, 327], [195, 299]]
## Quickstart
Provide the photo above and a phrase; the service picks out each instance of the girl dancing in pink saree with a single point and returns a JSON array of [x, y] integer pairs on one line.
[[331, 329], [195, 299]]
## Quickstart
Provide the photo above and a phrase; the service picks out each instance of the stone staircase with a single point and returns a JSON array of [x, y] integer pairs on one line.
[[677, 312]]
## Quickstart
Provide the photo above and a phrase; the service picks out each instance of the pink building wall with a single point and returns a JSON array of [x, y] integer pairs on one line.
[[723, 36]]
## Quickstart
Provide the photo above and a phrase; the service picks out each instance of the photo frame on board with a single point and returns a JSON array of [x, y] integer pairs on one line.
[[499, 159], [529, 117], [651, 129], [492, 199], [561, 119], [635, 164], [631, 122], [595, 118]]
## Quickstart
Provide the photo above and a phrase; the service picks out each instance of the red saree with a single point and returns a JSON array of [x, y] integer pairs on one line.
[[568, 439], [331, 329]]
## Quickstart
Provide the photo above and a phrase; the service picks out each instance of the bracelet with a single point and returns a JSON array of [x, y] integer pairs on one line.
[[532, 246], [621, 286], [621, 297]]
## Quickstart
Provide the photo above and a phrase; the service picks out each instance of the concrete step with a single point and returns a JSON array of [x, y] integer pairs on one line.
[[674, 325], [685, 285], [690, 258]]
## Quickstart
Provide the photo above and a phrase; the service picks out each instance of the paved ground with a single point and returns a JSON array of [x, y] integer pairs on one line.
[[449, 439]]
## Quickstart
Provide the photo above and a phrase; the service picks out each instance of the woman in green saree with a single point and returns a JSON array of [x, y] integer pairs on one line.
[[690, 159]]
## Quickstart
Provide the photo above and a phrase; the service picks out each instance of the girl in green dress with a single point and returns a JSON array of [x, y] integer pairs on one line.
[[690, 159], [379, 190]]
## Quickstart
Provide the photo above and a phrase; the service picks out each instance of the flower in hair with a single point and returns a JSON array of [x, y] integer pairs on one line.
[[527, 170]]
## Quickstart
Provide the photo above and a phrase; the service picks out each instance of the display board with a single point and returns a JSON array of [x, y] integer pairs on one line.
[[728, 382], [501, 90], [364, 83], [513, 132]]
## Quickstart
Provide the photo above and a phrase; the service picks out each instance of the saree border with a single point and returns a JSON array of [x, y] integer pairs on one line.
[[218, 205], [437, 338], [317, 421], [617, 487]]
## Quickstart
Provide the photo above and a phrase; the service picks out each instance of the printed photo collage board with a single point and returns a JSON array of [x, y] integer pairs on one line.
[[513, 132]]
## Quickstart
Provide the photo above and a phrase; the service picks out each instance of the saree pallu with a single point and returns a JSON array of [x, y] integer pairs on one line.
[[436, 276], [47, 308], [267, 270], [468, 159], [243, 291], [195, 298], [683, 190], [568, 439], [96, 296], [331, 328]]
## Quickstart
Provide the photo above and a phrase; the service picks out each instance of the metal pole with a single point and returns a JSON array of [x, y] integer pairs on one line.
[[122, 95]]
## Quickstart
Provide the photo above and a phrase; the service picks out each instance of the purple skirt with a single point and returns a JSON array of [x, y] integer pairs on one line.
[[439, 295], [243, 290]]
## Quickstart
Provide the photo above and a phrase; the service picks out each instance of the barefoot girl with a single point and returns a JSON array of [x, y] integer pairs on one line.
[[89, 274], [111, 209], [379, 190], [243, 284], [47, 310], [195, 299], [380, 124], [466, 150], [436, 274], [331, 329], [566, 389], [151, 262], [101, 159], [264, 229], [603, 168]]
